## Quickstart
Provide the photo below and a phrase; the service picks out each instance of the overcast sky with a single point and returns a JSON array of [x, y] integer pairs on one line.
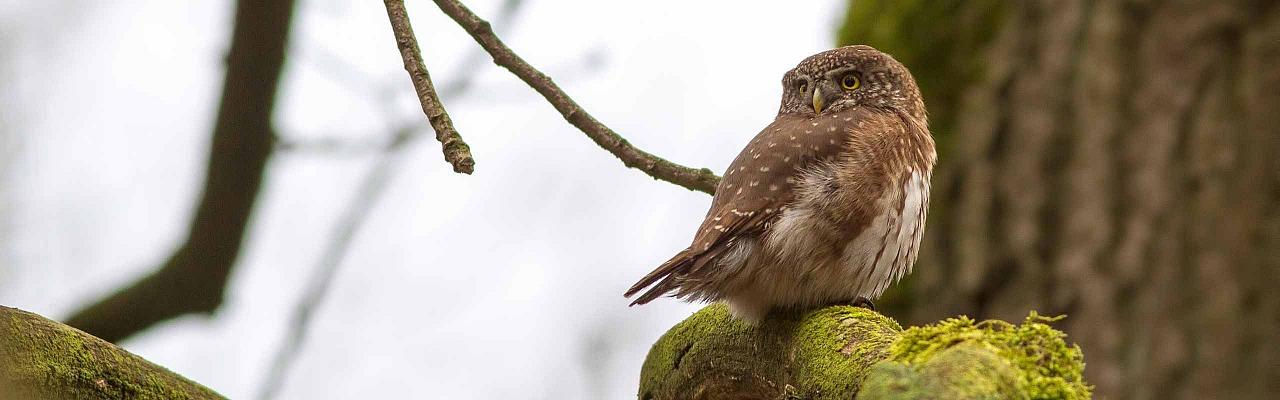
[[502, 284]]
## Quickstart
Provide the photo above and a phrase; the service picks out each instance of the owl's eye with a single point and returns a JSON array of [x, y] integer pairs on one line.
[[802, 86], [850, 82]]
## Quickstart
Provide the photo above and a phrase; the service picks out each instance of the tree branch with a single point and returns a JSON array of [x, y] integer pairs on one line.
[[195, 276], [455, 150], [370, 189], [42, 359], [844, 352], [702, 180]]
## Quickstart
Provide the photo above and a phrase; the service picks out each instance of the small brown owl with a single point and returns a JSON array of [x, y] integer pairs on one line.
[[826, 205]]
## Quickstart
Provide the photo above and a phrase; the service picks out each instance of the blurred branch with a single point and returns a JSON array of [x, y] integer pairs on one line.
[[371, 188], [195, 276], [702, 180], [456, 151], [338, 144], [333, 144], [47, 360], [475, 60]]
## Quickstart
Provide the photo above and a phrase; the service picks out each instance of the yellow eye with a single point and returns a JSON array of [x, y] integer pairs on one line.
[[850, 82]]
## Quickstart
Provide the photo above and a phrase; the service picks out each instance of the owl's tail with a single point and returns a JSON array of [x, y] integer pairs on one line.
[[665, 276]]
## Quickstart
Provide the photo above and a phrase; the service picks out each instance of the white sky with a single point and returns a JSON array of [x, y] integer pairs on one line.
[[502, 284]]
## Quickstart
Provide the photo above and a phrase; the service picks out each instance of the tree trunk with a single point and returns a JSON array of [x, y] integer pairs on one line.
[[42, 359], [1115, 161]]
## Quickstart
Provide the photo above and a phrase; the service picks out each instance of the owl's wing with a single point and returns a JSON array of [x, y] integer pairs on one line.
[[754, 190]]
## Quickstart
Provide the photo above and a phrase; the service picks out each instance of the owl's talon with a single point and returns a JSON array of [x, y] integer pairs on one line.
[[864, 303]]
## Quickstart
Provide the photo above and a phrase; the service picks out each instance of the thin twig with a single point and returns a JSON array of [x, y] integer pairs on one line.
[[456, 151], [371, 188], [348, 75], [702, 180]]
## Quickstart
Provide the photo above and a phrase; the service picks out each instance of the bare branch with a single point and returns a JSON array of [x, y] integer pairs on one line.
[[194, 279], [456, 152], [702, 180], [371, 188]]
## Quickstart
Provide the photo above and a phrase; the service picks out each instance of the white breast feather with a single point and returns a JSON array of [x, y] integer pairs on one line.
[[801, 272], [894, 236]]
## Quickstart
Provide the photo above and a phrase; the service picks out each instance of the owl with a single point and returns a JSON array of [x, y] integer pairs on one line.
[[825, 206]]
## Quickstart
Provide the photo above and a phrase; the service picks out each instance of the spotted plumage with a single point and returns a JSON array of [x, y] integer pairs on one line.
[[825, 205]]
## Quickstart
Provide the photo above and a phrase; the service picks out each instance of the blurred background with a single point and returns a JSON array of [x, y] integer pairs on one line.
[[247, 193]]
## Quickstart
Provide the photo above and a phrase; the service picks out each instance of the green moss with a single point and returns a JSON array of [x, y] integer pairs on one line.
[[822, 354], [45, 359], [965, 371], [839, 352], [679, 340], [893, 381], [834, 346], [1045, 366], [709, 346]]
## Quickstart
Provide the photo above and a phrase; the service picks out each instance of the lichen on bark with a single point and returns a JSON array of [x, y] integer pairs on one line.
[[844, 352]]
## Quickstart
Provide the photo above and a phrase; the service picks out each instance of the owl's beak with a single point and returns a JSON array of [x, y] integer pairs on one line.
[[817, 100]]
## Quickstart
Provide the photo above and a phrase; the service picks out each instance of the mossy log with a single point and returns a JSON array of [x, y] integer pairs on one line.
[[43, 359], [844, 352]]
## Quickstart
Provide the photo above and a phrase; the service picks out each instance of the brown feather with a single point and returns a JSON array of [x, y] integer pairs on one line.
[[663, 272], [754, 191]]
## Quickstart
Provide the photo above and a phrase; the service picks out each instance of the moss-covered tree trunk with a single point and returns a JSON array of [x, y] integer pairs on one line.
[[43, 359], [1116, 161], [845, 352]]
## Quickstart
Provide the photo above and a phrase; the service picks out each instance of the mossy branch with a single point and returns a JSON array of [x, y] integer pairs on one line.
[[43, 359], [845, 352]]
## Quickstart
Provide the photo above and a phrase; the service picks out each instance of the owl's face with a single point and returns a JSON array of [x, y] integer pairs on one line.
[[846, 77]]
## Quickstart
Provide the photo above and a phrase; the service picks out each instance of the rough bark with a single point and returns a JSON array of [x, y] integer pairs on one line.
[[42, 359], [845, 352], [456, 151], [194, 278], [1116, 161]]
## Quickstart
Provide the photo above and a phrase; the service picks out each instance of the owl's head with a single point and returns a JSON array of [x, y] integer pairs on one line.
[[850, 76]]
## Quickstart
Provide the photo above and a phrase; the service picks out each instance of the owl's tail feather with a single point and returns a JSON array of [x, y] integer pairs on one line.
[[665, 277]]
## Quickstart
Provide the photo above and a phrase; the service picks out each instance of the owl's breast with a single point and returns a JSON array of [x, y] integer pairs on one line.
[[886, 249], [840, 255]]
